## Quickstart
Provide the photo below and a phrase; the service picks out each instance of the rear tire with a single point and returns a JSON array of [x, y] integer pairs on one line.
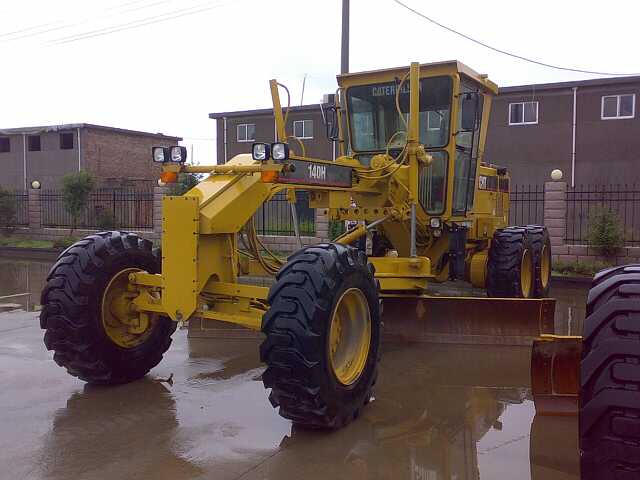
[[610, 377], [72, 310], [541, 248], [298, 352], [510, 270]]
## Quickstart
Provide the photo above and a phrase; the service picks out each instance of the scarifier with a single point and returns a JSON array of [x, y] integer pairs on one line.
[[411, 172]]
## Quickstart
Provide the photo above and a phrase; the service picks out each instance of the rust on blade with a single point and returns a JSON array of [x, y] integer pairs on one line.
[[441, 319], [555, 374]]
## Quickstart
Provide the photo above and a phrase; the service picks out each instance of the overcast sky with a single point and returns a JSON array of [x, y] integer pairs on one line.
[[128, 64]]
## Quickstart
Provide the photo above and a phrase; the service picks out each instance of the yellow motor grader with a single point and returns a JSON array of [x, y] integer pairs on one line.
[[412, 175]]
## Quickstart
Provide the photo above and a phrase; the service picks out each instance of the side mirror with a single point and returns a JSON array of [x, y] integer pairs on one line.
[[331, 123], [469, 112]]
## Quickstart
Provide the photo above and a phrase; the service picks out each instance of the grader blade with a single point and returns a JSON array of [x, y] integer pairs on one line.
[[555, 374], [440, 319]]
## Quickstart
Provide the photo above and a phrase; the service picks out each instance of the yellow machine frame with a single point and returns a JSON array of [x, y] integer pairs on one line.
[[200, 259]]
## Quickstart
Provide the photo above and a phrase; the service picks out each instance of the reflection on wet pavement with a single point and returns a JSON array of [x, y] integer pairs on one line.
[[441, 411]]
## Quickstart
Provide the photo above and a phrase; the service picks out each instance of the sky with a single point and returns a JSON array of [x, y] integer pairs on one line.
[[164, 65]]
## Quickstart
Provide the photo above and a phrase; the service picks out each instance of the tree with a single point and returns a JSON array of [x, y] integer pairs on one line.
[[186, 181], [7, 209], [76, 188]]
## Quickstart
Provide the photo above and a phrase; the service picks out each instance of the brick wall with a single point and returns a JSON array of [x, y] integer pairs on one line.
[[119, 158]]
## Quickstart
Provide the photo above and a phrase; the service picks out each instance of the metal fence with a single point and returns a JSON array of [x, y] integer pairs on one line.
[[15, 209], [585, 201], [106, 209], [274, 217], [526, 205]]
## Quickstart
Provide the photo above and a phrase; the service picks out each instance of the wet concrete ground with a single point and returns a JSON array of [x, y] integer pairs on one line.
[[441, 411]]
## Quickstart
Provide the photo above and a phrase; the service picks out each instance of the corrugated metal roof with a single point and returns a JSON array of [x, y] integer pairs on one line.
[[74, 126]]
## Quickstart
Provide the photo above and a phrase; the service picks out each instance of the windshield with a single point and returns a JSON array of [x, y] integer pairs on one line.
[[374, 119]]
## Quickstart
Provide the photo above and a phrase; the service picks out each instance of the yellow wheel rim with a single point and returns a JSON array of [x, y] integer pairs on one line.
[[526, 273], [123, 325], [545, 266], [349, 336]]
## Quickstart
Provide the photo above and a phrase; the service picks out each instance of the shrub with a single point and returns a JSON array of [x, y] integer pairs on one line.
[[7, 210], [76, 188], [64, 242], [605, 232], [336, 228], [105, 219]]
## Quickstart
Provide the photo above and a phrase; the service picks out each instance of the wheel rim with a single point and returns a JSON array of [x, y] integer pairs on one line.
[[526, 271], [350, 336], [545, 266], [123, 325]]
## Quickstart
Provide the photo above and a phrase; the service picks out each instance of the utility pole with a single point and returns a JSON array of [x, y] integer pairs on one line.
[[344, 57]]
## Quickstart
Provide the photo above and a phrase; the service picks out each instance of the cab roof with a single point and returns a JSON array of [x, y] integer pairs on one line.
[[447, 67]]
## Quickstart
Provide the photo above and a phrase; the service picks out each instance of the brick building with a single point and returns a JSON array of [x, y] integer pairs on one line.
[[532, 130], [115, 156]]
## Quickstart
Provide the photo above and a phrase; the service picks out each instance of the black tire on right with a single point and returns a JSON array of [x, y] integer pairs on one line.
[[539, 240], [609, 420], [505, 261]]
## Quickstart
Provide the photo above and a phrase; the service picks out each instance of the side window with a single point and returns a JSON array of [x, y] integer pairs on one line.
[[433, 185], [618, 106], [246, 132], [523, 113], [466, 161], [303, 129]]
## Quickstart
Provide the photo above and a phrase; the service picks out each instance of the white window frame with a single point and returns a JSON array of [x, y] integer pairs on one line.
[[618, 97], [304, 137], [246, 139], [431, 128], [523, 122]]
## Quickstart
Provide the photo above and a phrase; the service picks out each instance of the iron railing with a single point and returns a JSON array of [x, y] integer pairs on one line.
[[526, 205], [18, 215], [106, 209], [274, 217], [584, 201]]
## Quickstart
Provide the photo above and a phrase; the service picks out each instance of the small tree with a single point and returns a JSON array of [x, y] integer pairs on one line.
[[7, 209], [76, 188], [186, 181], [605, 232]]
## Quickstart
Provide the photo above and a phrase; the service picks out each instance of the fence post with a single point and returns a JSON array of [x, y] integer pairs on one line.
[[322, 224], [35, 210], [555, 214]]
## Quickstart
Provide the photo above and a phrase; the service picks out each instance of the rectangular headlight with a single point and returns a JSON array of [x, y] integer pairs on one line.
[[260, 151], [279, 151], [178, 154], [435, 222], [159, 154]]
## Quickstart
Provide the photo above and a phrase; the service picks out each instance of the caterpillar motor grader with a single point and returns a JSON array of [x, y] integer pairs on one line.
[[411, 172]]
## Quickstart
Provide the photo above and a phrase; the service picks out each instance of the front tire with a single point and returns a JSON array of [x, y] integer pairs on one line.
[[323, 336], [610, 377], [79, 327]]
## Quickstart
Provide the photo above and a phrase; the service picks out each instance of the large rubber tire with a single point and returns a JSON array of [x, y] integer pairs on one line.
[[504, 266], [71, 310], [297, 325], [541, 248], [610, 377]]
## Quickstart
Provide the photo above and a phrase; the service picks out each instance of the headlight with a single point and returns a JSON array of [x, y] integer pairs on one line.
[[178, 154], [260, 151], [435, 223], [279, 151], [159, 154]]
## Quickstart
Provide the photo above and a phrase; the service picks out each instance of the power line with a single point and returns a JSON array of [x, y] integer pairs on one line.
[[139, 23], [504, 52]]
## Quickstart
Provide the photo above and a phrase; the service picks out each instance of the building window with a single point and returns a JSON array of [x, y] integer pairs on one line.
[[618, 106], [523, 113], [246, 132], [5, 145], [66, 141], [303, 128], [34, 143], [434, 120]]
